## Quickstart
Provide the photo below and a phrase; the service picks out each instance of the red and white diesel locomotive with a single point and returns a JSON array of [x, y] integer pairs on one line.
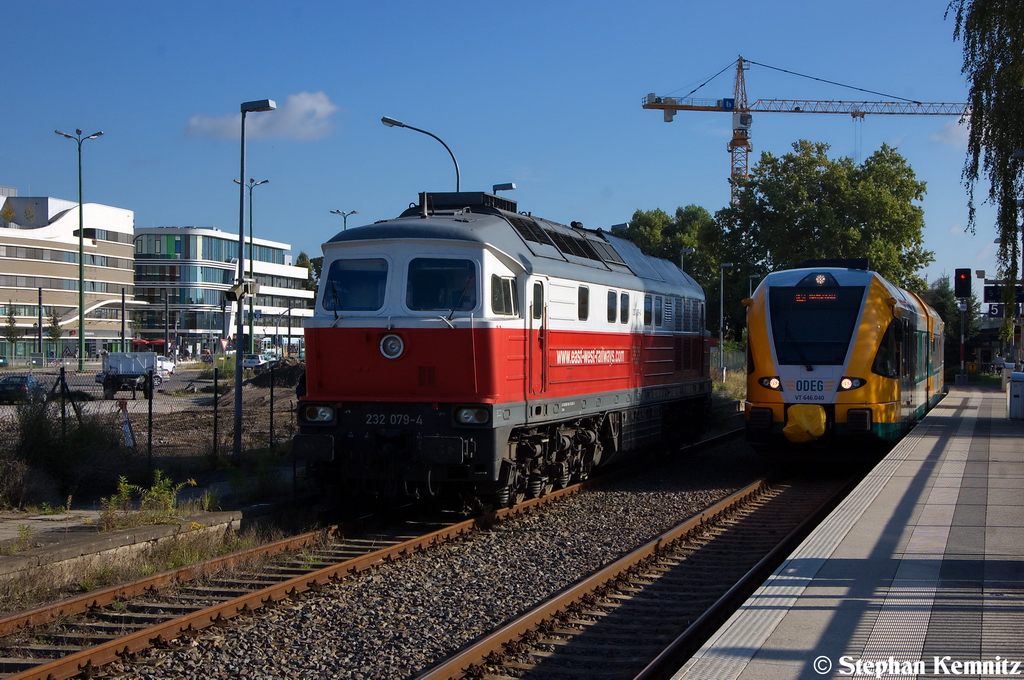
[[469, 346]]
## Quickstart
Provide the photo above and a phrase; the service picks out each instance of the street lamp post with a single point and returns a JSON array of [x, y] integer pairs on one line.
[[260, 105], [81, 247], [721, 316], [344, 217], [682, 257], [252, 246], [391, 122]]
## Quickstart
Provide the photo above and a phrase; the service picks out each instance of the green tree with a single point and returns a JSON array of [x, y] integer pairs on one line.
[[11, 331], [53, 327], [316, 265], [804, 205], [993, 37], [656, 233]]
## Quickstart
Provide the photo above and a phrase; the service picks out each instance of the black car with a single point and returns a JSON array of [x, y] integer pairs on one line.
[[15, 388]]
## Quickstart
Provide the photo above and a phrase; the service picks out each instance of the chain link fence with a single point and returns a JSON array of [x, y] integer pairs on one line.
[[185, 424]]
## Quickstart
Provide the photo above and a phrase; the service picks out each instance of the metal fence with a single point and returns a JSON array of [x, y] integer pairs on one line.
[[188, 414]]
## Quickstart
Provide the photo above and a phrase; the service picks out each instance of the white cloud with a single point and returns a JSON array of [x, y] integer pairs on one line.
[[302, 116], [953, 133]]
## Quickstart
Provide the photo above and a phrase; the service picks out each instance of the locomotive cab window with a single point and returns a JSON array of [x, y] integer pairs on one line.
[[503, 295], [441, 285], [355, 285], [538, 299]]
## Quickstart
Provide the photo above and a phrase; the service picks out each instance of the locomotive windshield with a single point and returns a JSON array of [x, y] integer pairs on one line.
[[355, 285], [814, 326], [437, 284]]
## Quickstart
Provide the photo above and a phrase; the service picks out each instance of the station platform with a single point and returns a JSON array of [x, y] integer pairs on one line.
[[918, 573]]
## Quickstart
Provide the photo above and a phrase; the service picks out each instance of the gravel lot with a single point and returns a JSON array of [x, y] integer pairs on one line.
[[400, 618]]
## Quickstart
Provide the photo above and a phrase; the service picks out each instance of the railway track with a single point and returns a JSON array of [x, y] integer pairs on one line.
[[643, 616], [78, 635]]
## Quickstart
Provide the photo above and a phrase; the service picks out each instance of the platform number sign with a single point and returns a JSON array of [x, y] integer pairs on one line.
[[962, 283]]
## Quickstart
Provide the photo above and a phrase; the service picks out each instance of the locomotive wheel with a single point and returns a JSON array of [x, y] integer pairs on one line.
[[540, 486], [514, 492]]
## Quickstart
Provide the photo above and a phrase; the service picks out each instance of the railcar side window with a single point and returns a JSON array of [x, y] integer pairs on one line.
[[538, 299], [647, 310], [583, 299], [503, 295], [441, 285], [355, 285], [612, 307], [657, 311], [624, 308]]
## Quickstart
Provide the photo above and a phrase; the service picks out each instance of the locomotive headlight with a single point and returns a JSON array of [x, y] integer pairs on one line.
[[472, 415], [392, 346], [318, 413], [772, 383], [851, 383]]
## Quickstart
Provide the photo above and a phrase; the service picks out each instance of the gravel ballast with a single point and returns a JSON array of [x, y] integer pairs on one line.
[[403, 617]]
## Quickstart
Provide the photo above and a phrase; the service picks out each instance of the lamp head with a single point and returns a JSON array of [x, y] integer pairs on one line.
[[391, 122], [259, 105]]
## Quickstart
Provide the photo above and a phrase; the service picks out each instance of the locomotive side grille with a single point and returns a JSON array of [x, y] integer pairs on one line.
[[427, 375]]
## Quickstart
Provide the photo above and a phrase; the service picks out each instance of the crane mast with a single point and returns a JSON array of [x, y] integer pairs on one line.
[[740, 146]]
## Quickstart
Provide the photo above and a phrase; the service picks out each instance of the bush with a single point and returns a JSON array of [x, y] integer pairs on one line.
[[74, 452]]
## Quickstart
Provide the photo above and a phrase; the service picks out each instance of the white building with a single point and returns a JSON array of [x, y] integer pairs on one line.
[[39, 273], [184, 272]]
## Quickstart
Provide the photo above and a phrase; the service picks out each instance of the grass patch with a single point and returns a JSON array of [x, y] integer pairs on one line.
[[37, 587]]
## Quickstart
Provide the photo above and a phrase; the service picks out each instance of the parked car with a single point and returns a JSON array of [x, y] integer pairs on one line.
[[253, 361], [24, 388], [164, 364], [3, 362]]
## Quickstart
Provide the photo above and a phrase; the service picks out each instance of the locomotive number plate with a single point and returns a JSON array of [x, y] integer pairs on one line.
[[393, 419]]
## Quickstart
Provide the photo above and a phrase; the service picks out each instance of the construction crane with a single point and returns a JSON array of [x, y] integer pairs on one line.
[[740, 146]]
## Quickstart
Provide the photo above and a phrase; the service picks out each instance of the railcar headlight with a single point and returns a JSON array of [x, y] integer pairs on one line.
[[318, 413], [392, 346], [772, 383], [847, 383], [472, 415]]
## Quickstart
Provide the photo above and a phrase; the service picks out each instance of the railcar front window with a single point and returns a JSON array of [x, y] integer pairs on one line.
[[441, 285], [355, 285], [814, 326]]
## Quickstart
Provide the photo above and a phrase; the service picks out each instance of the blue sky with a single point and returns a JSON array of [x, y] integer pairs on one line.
[[545, 94]]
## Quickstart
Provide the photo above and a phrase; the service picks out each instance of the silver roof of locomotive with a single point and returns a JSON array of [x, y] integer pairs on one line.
[[539, 245]]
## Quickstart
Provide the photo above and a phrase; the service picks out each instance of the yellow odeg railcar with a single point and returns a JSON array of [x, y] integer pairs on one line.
[[837, 353]]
